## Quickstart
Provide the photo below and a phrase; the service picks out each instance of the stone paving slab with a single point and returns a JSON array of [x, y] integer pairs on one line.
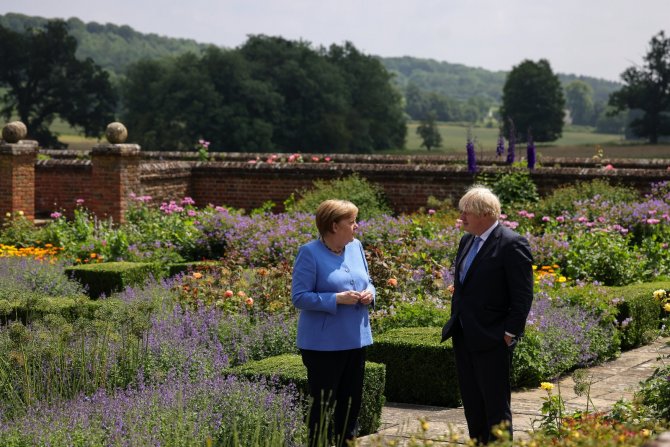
[[611, 381]]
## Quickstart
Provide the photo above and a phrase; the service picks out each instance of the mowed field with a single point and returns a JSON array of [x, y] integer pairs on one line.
[[575, 142]]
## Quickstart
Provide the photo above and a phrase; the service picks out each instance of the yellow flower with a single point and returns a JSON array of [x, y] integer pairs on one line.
[[197, 275], [424, 425], [547, 386], [534, 267], [645, 432], [659, 294], [562, 279], [20, 213], [666, 307]]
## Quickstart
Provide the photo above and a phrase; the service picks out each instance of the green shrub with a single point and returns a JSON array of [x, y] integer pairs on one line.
[[110, 277], [368, 197], [419, 369], [655, 392], [513, 187], [564, 198], [605, 257], [288, 368], [638, 316]]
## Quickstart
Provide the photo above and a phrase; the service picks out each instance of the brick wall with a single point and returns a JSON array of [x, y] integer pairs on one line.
[[232, 180]]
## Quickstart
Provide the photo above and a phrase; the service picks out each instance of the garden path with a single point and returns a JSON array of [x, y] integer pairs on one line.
[[612, 381]]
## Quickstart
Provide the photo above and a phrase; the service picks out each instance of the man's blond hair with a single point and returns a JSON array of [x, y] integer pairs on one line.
[[480, 200]]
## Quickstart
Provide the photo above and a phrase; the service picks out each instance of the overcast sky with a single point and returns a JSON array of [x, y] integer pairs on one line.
[[597, 38]]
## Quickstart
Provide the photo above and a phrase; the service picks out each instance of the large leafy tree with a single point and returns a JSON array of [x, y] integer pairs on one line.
[[270, 94], [647, 89], [375, 115], [44, 80], [533, 99], [429, 132], [579, 99]]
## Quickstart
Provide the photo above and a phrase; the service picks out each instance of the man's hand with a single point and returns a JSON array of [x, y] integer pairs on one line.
[[508, 340]]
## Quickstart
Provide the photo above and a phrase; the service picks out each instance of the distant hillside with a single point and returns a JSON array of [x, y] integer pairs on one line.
[[111, 46], [462, 82], [114, 47]]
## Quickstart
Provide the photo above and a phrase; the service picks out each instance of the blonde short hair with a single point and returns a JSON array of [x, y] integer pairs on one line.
[[331, 211], [480, 200]]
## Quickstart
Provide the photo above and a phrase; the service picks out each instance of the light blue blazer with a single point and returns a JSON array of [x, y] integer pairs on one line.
[[318, 274]]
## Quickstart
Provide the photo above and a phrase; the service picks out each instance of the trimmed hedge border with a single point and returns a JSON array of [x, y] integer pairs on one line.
[[288, 368], [638, 303], [109, 277], [419, 369]]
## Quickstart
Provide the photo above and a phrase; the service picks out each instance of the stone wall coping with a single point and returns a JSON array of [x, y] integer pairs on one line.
[[158, 156], [55, 163], [124, 150], [23, 147]]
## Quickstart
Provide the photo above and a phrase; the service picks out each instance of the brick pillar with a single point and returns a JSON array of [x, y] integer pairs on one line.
[[115, 174], [17, 178]]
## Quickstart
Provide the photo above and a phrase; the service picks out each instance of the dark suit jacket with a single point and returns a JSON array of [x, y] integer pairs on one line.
[[497, 292]]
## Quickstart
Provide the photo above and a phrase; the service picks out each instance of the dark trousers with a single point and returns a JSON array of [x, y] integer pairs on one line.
[[484, 381], [335, 380]]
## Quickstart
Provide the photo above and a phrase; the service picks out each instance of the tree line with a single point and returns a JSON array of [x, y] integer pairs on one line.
[[274, 94]]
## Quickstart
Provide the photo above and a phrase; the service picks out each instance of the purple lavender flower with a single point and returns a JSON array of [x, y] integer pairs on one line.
[[472, 162], [500, 148], [530, 151], [512, 142]]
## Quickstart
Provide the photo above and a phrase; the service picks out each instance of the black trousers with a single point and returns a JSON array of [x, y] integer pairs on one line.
[[484, 382], [335, 380]]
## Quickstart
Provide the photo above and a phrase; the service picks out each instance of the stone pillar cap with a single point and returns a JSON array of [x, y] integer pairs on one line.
[[14, 132]]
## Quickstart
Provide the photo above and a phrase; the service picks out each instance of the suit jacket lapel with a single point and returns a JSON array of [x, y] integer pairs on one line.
[[463, 253], [483, 250]]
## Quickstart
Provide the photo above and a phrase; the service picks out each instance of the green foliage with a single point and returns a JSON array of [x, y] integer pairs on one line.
[[288, 368], [429, 132], [44, 79], [514, 187], [419, 369], [368, 197], [110, 277], [655, 392], [566, 198], [646, 90], [579, 100], [603, 257], [18, 231], [533, 99], [270, 94], [638, 312]]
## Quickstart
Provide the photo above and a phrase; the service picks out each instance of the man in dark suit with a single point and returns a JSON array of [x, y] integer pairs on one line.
[[493, 292]]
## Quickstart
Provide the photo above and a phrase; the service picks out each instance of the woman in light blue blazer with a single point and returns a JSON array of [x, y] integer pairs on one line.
[[332, 289]]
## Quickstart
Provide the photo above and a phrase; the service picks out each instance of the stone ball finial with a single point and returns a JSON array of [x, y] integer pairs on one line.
[[14, 132], [116, 133]]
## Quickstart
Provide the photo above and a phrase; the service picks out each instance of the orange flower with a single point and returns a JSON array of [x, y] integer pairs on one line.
[[392, 282], [241, 293], [249, 301], [197, 275], [93, 255]]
